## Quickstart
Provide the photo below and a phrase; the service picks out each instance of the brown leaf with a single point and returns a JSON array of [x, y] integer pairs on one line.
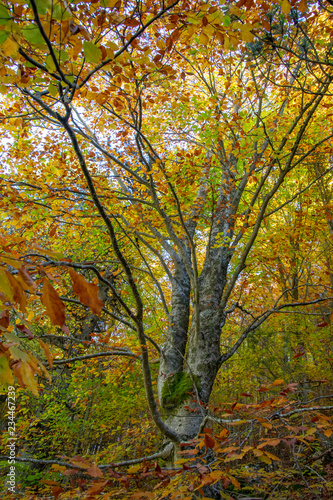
[[96, 488], [26, 278], [55, 308], [86, 291], [26, 331], [94, 471], [4, 318], [57, 490], [209, 441]]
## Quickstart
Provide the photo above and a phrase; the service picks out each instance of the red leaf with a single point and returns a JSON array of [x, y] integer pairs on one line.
[[322, 324], [262, 389], [298, 355], [234, 405], [209, 441], [26, 331], [245, 394]]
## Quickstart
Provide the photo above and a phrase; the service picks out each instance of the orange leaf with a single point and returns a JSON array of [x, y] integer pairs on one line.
[[302, 6], [47, 352], [278, 382], [19, 296], [234, 482], [25, 376], [26, 278], [55, 307], [86, 291]]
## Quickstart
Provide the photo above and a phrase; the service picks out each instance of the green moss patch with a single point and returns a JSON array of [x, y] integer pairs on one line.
[[177, 389]]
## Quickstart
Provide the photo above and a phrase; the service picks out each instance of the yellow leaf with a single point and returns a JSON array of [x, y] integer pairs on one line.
[[216, 475], [5, 286], [286, 7], [18, 288], [234, 481], [25, 376], [203, 39], [9, 47], [247, 448], [134, 468], [311, 431], [328, 432], [265, 459], [247, 36], [6, 376], [160, 44], [112, 3], [11, 261], [270, 455], [58, 468]]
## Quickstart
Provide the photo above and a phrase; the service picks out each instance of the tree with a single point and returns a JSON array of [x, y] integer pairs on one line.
[[150, 143]]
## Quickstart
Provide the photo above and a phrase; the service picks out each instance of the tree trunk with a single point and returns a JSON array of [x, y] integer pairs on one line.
[[191, 358]]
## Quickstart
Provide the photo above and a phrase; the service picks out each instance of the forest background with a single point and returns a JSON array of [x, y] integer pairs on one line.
[[166, 279]]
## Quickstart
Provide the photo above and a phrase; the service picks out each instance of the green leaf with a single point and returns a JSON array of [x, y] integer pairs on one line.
[[91, 52], [53, 89], [33, 35], [50, 64], [226, 20], [63, 55], [4, 15], [43, 6], [3, 36]]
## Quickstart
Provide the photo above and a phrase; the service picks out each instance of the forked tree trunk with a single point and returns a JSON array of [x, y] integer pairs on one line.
[[192, 357]]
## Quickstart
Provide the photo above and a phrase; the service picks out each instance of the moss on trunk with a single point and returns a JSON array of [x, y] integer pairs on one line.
[[177, 389]]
